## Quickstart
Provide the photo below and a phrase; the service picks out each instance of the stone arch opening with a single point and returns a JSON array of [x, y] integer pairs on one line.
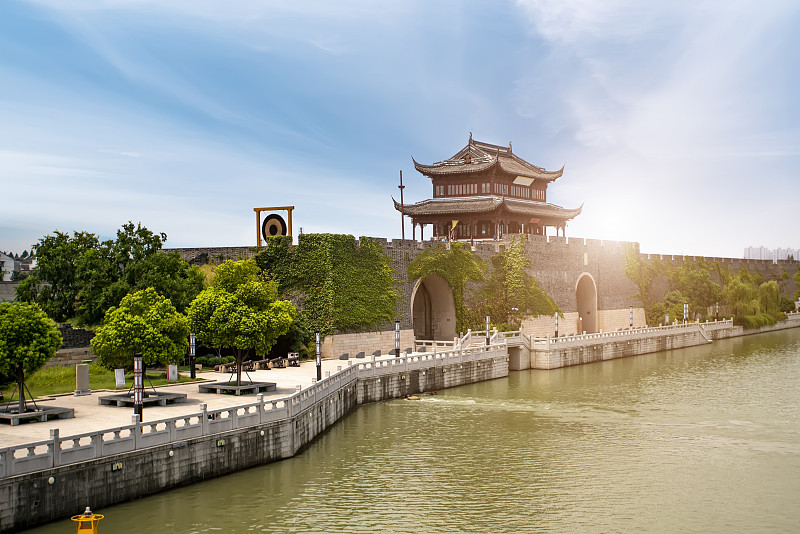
[[586, 296], [433, 309]]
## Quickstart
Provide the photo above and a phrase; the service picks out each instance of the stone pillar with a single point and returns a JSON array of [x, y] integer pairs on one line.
[[82, 379]]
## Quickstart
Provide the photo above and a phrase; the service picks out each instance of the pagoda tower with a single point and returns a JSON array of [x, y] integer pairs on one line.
[[486, 191]]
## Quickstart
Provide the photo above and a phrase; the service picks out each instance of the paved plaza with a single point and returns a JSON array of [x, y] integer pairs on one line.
[[91, 416]]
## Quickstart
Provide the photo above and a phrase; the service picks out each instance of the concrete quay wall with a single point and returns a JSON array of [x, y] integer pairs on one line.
[[57, 492], [402, 383], [553, 353], [609, 349]]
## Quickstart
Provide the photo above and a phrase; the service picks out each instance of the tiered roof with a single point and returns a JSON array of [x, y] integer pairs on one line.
[[478, 157], [486, 204]]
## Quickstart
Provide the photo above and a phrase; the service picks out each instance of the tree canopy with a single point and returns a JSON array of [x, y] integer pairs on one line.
[[28, 338], [509, 292], [644, 273], [240, 311], [144, 322], [456, 265], [693, 281], [78, 277]]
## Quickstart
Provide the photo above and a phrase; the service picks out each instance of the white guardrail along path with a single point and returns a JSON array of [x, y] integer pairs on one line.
[[58, 450]]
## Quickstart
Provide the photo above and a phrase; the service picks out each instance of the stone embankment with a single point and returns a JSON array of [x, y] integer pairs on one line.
[[55, 478], [526, 352]]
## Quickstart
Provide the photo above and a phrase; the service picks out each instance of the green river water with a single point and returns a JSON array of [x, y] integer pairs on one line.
[[704, 439]]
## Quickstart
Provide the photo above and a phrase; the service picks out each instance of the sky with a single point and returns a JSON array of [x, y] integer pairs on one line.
[[678, 121]]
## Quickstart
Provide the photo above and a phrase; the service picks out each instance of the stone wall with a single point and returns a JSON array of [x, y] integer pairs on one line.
[[556, 262], [605, 349], [52, 494], [204, 255], [399, 385], [71, 357], [74, 338], [7, 291], [334, 346], [609, 320], [769, 269]]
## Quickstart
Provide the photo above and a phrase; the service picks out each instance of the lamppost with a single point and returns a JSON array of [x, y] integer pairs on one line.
[[631, 317], [191, 356], [555, 316], [488, 330], [716, 311], [685, 312], [138, 386], [319, 357], [397, 338]]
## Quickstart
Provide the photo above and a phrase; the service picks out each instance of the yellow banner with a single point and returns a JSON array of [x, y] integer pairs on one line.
[[454, 224]]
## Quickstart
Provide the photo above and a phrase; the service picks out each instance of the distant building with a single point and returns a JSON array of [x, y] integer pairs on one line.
[[763, 253], [484, 192], [6, 266]]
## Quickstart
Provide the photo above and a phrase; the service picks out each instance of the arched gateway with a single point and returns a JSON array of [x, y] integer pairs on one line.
[[433, 309], [586, 297]]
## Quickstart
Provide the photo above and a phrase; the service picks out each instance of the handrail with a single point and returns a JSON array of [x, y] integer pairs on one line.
[[57, 451], [635, 332]]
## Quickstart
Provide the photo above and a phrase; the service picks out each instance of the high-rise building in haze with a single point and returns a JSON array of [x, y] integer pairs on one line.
[[775, 254]]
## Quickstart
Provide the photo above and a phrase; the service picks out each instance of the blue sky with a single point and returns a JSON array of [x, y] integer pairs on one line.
[[678, 122]]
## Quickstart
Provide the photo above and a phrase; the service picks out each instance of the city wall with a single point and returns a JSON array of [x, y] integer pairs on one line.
[[556, 262], [365, 343]]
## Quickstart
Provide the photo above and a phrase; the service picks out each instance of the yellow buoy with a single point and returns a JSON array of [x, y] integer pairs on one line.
[[87, 522]]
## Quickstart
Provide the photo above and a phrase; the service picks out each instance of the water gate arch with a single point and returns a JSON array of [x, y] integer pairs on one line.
[[586, 297], [433, 309]]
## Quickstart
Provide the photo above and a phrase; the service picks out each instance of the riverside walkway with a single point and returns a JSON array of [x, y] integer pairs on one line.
[[103, 431], [91, 416]]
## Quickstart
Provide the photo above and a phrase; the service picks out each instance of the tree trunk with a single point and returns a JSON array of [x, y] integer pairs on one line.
[[21, 386], [239, 361]]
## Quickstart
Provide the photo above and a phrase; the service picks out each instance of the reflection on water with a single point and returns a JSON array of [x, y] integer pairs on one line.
[[703, 440]]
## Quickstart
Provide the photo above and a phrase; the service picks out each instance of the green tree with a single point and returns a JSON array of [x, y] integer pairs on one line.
[[144, 322], [80, 278], [169, 275], [741, 296], [28, 338], [693, 281], [53, 285], [240, 311], [769, 297], [508, 287], [644, 273], [456, 265], [672, 305], [797, 283]]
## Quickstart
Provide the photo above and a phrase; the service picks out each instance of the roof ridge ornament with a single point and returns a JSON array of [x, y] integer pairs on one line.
[[470, 138], [509, 147]]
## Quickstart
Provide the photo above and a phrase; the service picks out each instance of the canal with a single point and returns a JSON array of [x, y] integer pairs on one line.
[[702, 439]]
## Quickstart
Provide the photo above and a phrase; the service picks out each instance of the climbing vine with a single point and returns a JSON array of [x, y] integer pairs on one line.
[[456, 265], [509, 293], [340, 284]]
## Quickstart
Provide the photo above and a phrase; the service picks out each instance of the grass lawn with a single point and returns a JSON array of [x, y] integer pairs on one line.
[[55, 380]]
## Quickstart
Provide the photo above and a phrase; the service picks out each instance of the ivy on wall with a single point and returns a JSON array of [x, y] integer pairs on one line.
[[340, 284], [509, 293], [503, 290], [457, 265]]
